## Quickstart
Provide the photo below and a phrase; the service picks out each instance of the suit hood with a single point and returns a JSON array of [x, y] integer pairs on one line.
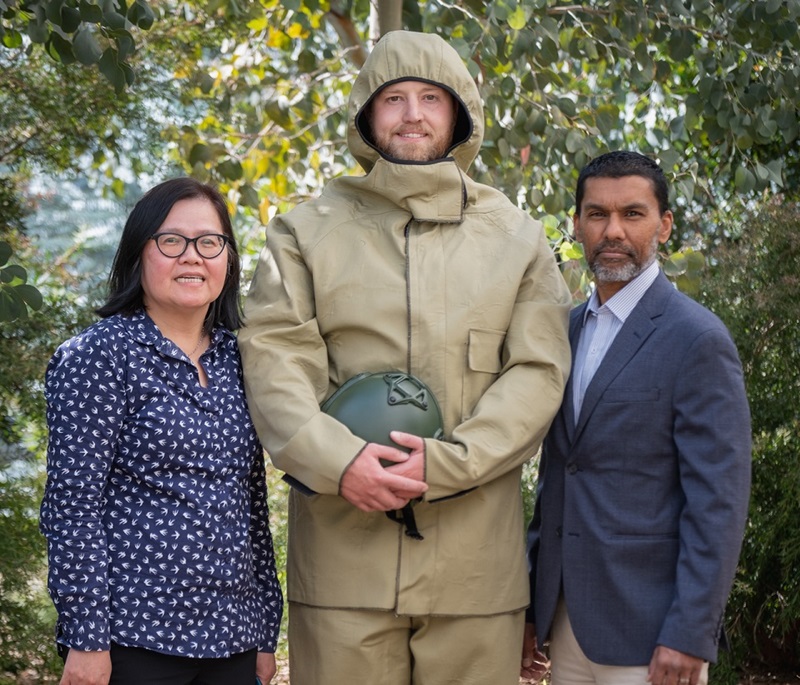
[[403, 56]]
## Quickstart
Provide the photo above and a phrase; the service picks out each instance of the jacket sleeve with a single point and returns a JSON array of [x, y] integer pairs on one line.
[[712, 438], [286, 369], [509, 422]]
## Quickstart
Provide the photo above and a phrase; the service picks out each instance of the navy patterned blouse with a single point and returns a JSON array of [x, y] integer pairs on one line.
[[155, 508]]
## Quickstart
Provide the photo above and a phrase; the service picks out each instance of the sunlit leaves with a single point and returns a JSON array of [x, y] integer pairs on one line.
[[91, 33], [708, 89]]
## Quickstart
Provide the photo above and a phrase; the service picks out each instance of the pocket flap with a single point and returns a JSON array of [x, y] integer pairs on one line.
[[484, 350]]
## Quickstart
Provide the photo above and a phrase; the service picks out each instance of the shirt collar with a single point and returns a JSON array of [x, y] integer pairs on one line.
[[624, 301], [144, 330]]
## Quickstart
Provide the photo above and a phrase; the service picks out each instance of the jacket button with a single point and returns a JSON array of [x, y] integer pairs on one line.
[[572, 469]]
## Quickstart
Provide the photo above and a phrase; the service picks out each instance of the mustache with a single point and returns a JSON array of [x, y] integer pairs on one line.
[[419, 128], [612, 245]]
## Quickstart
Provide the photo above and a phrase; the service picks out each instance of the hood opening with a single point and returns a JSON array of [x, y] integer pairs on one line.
[[461, 132]]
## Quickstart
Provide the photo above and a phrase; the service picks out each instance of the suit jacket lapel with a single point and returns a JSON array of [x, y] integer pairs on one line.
[[639, 326], [575, 326]]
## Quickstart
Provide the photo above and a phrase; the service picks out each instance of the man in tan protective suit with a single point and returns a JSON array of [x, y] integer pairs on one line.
[[415, 268]]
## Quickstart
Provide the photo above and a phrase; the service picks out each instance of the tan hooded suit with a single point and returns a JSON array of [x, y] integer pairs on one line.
[[412, 267]]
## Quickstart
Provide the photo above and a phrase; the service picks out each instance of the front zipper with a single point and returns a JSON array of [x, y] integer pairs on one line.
[[407, 235]]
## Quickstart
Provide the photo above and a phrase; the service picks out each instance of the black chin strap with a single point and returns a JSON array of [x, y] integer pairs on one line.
[[405, 517]]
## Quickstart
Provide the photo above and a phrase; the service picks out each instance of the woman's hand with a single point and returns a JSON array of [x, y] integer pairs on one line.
[[86, 668], [265, 667]]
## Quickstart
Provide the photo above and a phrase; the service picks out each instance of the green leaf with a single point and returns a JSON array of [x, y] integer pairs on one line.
[[130, 77], [696, 261], [13, 272], [9, 307], [307, 61], [681, 45], [111, 70], [125, 44], [675, 265], [775, 168], [762, 173], [53, 11], [517, 19], [86, 48], [535, 197], [567, 105], [607, 118], [669, 159], [574, 141], [230, 169], [70, 19], [590, 49], [5, 252], [62, 48], [31, 296], [553, 203], [537, 123], [248, 196], [112, 18], [570, 250], [12, 39], [141, 15], [744, 180], [200, 153], [91, 12], [206, 83], [37, 31]]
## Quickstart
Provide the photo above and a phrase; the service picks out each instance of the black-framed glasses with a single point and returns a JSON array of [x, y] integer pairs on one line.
[[208, 245]]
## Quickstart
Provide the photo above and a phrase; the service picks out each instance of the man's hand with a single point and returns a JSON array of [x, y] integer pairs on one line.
[[414, 465], [366, 484], [534, 664], [265, 667], [671, 667], [86, 668]]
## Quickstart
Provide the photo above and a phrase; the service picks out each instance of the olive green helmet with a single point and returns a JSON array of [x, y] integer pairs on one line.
[[373, 404]]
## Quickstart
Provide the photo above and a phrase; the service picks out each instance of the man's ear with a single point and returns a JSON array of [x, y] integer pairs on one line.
[[667, 221], [576, 227]]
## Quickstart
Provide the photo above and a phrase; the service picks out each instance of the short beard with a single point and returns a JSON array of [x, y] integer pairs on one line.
[[621, 273], [616, 274], [411, 153]]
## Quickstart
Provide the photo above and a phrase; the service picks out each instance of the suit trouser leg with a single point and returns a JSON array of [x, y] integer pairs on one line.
[[570, 666], [379, 648]]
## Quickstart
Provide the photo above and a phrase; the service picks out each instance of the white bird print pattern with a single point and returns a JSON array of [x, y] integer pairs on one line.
[[155, 508]]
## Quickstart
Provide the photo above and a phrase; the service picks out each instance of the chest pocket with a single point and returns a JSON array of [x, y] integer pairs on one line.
[[483, 366], [484, 350]]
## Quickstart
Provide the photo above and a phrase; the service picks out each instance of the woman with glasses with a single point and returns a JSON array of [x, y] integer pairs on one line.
[[161, 561]]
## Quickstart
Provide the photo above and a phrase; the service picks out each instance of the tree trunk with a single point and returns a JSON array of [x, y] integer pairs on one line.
[[339, 17], [384, 16]]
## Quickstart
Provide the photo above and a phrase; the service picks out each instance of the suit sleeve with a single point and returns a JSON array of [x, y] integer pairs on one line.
[[511, 418], [713, 441]]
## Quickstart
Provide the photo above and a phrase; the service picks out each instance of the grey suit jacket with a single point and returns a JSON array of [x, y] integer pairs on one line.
[[642, 501]]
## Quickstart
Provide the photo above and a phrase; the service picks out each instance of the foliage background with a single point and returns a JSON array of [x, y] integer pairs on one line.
[[108, 98]]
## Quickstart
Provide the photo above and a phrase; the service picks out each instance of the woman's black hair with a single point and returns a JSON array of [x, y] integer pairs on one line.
[[125, 294]]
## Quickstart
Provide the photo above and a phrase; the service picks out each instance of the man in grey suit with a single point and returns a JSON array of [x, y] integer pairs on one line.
[[645, 474]]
